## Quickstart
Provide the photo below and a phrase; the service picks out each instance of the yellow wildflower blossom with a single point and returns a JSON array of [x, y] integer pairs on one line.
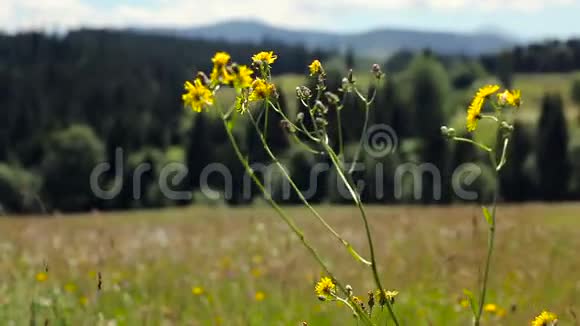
[[41, 277], [242, 77], [219, 73], [474, 111], [490, 307], [70, 287], [84, 300], [546, 318], [261, 89], [512, 98], [381, 297], [260, 296], [220, 59], [265, 57], [325, 288], [197, 290], [315, 68], [198, 95]]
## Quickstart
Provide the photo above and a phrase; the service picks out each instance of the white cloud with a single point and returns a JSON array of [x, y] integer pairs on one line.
[[58, 14]]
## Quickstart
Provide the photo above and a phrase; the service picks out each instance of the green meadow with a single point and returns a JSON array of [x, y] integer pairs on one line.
[[216, 265]]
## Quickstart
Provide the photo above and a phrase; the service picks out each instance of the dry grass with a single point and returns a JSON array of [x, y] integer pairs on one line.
[[150, 260]]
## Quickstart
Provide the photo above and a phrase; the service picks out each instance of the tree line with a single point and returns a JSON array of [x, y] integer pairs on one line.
[[70, 102]]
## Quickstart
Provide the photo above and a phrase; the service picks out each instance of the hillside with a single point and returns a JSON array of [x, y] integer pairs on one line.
[[373, 43]]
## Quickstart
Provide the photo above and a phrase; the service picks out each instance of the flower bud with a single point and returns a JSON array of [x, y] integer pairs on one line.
[[448, 132], [350, 78], [203, 78], [300, 116], [371, 301], [376, 70], [332, 98], [303, 93], [234, 68], [348, 290], [321, 122], [320, 107]]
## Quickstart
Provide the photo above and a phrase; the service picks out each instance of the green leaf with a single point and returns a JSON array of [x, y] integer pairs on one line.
[[487, 216], [357, 256], [468, 293], [471, 300]]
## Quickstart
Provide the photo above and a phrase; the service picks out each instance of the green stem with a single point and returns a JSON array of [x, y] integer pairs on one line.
[[490, 246], [349, 184], [503, 159], [287, 219], [470, 141], [339, 126], [489, 117], [491, 235], [362, 138], [303, 199], [266, 112]]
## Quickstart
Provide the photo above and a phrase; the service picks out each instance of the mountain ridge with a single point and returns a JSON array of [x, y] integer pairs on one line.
[[376, 42]]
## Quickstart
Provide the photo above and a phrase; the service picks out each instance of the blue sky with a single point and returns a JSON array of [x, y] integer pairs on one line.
[[521, 18]]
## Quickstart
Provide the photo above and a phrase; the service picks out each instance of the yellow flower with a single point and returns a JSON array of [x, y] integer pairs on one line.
[[474, 110], [315, 68], [257, 259], [546, 318], [70, 287], [464, 303], [266, 57], [260, 296], [197, 96], [219, 73], [386, 295], [83, 300], [256, 272], [490, 307], [261, 89], [325, 288], [197, 290], [41, 277], [513, 98], [220, 59], [501, 312], [242, 77]]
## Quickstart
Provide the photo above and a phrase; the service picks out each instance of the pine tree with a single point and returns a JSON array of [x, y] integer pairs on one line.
[[552, 156], [198, 153], [430, 84], [516, 185]]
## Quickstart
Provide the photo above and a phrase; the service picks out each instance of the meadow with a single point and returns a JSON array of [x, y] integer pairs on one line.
[[214, 265]]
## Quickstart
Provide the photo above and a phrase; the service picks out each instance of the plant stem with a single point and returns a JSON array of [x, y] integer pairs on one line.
[[339, 126], [287, 219], [362, 138], [491, 235], [490, 243], [467, 140], [282, 169], [349, 184]]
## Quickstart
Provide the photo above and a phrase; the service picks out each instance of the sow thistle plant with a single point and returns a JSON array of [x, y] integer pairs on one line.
[[256, 97], [500, 103]]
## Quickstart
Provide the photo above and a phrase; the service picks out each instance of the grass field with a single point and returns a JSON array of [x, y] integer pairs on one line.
[[224, 266]]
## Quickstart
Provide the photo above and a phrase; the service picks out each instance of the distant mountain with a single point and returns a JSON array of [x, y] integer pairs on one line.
[[373, 43]]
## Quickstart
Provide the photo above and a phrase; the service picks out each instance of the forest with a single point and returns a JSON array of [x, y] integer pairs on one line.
[[69, 102]]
